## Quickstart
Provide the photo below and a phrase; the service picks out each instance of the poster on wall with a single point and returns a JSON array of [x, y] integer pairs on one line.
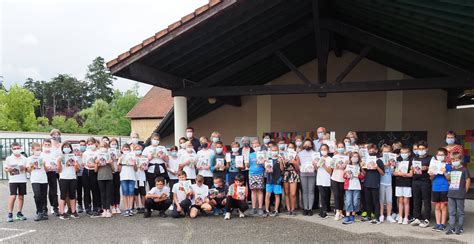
[[465, 138]]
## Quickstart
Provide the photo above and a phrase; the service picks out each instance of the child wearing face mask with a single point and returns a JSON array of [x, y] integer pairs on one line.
[[385, 191], [403, 185], [273, 181], [299, 143], [460, 181], [217, 196], [140, 186], [236, 198], [114, 156], [337, 180], [256, 181], [67, 168], [353, 175], [373, 172], [50, 162], [230, 167], [187, 162], [39, 181], [205, 158], [323, 179], [104, 167], [182, 146], [173, 167], [157, 158], [291, 178], [439, 189], [89, 178], [421, 188], [127, 166], [15, 166]]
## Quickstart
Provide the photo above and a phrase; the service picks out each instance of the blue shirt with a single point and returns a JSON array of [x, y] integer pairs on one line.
[[386, 179], [254, 168], [440, 183]]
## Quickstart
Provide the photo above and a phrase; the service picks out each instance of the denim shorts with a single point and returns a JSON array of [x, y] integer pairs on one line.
[[128, 187]]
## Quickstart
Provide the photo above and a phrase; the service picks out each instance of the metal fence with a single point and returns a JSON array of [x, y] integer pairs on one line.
[[5, 149]]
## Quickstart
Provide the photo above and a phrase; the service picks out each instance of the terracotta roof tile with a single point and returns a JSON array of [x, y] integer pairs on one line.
[[155, 104], [174, 25], [164, 32], [161, 33], [201, 9], [136, 48], [187, 18]]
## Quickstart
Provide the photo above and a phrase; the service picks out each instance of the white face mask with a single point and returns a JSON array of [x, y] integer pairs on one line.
[[182, 145], [257, 149], [134, 140], [421, 152], [104, 150], [155, 142], [235, 149], [113, 146], [16, 151], [37, 153], [274, 154], [354, 160], [215, 139], [266, 140], [324, 153], [189, 134], [440, 158], [299, 143], [91, 147], [456, 163]]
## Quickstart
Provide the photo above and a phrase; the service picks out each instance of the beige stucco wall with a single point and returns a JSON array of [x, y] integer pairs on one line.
[[144, 127], [368, 111]]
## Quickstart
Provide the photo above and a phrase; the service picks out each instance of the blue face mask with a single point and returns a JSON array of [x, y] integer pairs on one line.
[[404, 155], [340, 150], [67, 150], [450, 141], [82, 148], [218, 150], [173, 153], [281, 146], [320, 135]]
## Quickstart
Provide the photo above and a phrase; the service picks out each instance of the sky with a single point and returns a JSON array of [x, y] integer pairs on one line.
[[43, 38]]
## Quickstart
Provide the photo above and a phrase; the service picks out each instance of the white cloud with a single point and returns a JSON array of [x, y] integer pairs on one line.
[[29, 40]]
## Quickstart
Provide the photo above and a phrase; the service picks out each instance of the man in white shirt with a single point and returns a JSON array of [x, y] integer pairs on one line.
[[158, 198], [15, 165]]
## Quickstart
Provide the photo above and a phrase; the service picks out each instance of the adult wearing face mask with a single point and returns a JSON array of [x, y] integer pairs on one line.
[[299, 143], [452, 146], [214, 139], [320, 132], [135, 140], [192, 139], [157, 158], [56, 142], [307, 176], [267, 138]]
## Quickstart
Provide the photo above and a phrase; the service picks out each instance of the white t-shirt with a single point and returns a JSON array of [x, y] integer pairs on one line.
[[180, 195], [152, 150], [50, 161], [190, 171], [128, 172], [206, 155], [15, 162], [91, 156], [37, 175], [323, 178], [199, 192], [173, 164], [156, 191], [67, 172]]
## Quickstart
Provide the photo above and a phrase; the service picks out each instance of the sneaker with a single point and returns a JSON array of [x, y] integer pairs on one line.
[[38, 217], [400, 220], [390, 219], [353, 218], [415, 222], [117, 211], [435, 227], [265, 213], [63, 217], [147, 214], [347, 220], [364, 219], [450, 232], [215, 212], [227, 216], [375, 222], [95, 215], [289, 213], [114, 211], [310, 212], [241, 214], [44, 216], [20, 216], [10, 217], [424, 223], [141, 210], [53, 211], [364, 214], [88, 212], [103, 215], [394, 216], [126, 213], [441, 228], [80, 209], [130, 212], [459, 231], [75, 215], [405, 221], [108, 214], [305, 212], [274, 214], [56, 212], [162, 214], [381, 218], [260, 213], [336, 216]]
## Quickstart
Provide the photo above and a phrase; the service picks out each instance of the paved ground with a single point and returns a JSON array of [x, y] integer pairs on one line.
[[136, 229]]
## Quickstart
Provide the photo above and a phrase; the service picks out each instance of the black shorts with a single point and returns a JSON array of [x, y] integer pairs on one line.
[[17, 189], [140, 191], [439, 197], [198, 207], [67, 189]]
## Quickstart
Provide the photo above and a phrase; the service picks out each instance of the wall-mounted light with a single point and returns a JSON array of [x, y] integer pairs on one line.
[[212, 100]]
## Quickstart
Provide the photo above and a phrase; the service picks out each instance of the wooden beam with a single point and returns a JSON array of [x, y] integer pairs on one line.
[[235, 101], [292, 67], [393, 48], [353, 64], [152, 76], [320, 11], [360, 86]]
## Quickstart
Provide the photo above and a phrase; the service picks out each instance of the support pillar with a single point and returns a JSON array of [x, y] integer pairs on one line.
[[394, 104], [180, 118]]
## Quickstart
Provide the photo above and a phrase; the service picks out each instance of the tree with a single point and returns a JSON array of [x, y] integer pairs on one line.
[[17, 109], [94, 117], [66, 125], [100, 80]]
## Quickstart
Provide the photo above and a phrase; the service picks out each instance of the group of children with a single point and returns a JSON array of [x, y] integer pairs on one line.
[[393, 183]]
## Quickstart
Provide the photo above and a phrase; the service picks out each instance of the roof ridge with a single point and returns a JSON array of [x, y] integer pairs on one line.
[[160, 34]]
